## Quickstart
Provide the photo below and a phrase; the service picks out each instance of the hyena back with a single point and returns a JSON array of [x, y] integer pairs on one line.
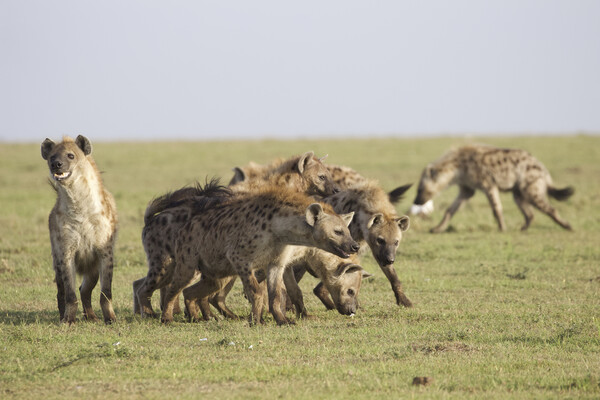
[[492, 170], [304, 174], [83, 228]]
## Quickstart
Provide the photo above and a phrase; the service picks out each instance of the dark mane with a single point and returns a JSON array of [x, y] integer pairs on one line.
[[187, 195]]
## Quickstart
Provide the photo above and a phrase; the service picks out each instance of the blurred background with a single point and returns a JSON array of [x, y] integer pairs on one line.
[[205, 70]]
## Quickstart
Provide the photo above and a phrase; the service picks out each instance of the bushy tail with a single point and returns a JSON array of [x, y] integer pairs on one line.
[[398, 194], [561, 194]]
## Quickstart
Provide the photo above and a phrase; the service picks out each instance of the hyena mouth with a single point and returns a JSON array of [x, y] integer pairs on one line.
[[338, 251], [61, 176]]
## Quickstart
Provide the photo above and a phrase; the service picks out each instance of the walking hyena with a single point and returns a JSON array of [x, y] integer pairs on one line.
[[251, 231], [491, 170], [83, 228], [376, 223], [305, 173]]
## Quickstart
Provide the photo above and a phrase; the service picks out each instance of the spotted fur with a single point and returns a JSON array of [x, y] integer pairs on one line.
[[83, 228]]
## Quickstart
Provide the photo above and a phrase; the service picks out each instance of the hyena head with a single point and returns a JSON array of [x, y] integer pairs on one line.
[[330, 231], [66, 157], [345, 285], [385, 234], [432, 182], [317, 176]]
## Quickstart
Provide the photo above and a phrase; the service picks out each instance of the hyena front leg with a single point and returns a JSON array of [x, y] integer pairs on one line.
[[323, 294], [218, 299], [277, 293], [60, 292], [197, 295], [70, 297], [293, 290], [106, 275], [464, 194], [493, 195], [254, 292], [90, 279], [390, 273]]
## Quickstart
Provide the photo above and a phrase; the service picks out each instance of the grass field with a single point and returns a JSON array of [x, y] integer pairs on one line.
[[496, 315]]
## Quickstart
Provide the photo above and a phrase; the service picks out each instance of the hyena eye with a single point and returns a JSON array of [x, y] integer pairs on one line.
[[397, 242], [71, 156], [350, 292], [322, 177], [338, 232], [380, 241]]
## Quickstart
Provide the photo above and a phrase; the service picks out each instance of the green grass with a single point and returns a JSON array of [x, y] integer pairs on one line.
[[496, 315]]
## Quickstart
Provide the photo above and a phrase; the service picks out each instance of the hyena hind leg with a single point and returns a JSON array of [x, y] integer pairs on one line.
[[525, 208], [542, 204]]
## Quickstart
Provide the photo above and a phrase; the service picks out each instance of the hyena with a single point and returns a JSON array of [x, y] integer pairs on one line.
[[251, 231], [339, 277], [491, 170], [375, 223], [83, 228], [305, 173], [164, 216]]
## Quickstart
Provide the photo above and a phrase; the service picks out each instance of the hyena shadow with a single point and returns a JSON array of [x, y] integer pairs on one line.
[[12, 317]]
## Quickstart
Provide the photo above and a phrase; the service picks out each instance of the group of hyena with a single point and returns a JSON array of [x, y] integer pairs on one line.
[[269, 226]]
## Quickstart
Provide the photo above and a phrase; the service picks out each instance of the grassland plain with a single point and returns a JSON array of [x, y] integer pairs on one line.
[[496, 315]]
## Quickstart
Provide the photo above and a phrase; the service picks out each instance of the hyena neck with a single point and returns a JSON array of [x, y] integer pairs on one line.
[[84, 191], [292, 230], [447, 174]]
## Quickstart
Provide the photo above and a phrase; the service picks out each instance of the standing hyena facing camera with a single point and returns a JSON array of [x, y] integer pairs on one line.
[[83, 228], [491, 170]]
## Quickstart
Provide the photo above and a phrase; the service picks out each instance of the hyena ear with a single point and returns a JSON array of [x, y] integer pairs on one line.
[[304, 160], [351, 268], [47, 146], [84, 144], [238, 176], [347, 217], [403, 222], [313, 213], [431, 172], [375, 219]]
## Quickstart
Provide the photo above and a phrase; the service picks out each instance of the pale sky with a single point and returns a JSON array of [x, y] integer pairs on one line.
[[153, 70]]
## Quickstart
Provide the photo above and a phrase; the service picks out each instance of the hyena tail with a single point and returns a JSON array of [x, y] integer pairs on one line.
[[561, 194], [398, 194]]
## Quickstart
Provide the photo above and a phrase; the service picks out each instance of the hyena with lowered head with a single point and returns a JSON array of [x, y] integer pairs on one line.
[[249, 231], [491, 170], [83, 228]]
